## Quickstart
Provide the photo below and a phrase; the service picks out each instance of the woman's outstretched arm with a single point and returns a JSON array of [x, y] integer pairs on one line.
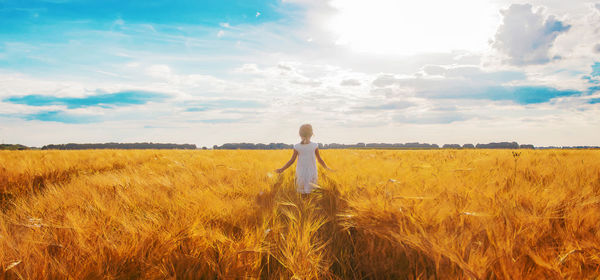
[[320, 160], [290, 162]]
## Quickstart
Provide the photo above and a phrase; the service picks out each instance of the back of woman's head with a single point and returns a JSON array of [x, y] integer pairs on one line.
[[306, 132]]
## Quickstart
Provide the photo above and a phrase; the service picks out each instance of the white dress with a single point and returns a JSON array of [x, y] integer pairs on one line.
[[306, 168]]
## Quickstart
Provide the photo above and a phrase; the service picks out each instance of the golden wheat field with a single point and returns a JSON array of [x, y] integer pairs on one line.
[[443, 214]]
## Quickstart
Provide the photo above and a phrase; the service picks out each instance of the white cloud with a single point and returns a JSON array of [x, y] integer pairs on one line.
[[159, 71], [434, 70], [527, 37], [284, 67], [248, 68], [385, 80], [350, 82]]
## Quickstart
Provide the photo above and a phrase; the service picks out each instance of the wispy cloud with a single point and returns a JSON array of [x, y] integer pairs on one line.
[[388, 106], [61, 117], [350, 82], [432, 117], [204, 105], [218, 121], [470, 83]]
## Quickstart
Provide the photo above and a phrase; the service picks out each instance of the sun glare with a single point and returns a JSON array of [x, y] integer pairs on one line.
[[410, 27]]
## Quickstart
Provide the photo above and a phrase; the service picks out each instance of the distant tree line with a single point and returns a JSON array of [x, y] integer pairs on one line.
[[13, 147], [569, 147], [414, 145], [125, 146], [279, 146], [252, 146]]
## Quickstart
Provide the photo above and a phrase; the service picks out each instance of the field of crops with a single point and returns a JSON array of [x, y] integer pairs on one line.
[[444, 214]]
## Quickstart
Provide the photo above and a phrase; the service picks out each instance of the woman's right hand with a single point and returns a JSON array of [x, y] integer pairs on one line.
[[279, 170]]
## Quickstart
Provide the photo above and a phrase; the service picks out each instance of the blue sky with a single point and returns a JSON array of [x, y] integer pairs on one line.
[[101, 99], [210, 72], [190, 12]]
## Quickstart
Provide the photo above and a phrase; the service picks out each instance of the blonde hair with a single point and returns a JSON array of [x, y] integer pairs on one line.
[[306, 132]]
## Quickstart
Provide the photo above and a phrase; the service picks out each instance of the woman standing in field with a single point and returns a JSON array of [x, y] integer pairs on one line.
[[307, 153]]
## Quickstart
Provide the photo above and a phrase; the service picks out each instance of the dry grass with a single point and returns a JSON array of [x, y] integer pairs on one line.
[[473, 214]]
